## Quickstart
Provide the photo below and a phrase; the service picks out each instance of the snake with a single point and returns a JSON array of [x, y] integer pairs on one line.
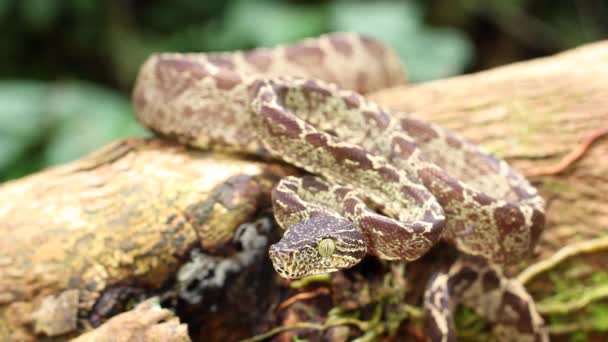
[[375, 181]]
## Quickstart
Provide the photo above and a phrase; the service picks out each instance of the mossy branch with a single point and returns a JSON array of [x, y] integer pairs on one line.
[[589, 246]]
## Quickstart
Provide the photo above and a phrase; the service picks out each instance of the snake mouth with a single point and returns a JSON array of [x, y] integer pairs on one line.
[[289, 270], [293, 264]]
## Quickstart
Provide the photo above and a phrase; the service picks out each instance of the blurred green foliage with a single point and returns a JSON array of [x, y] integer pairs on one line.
[[67, 66], [48, 123]]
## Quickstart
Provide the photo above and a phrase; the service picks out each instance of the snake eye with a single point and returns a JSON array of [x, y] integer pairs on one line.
[[326, 247]]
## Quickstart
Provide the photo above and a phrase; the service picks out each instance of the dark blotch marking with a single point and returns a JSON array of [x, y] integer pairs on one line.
[[349, 205], [361, 83], [373, 47], [508, 218], [290, 184], [177, 75], [260, 59], [483, 164], [448, 189], [178, 64], [381, 119], [352, 101], [341, 45], [461, 281], [226, 79], [490, 281], [341, 192], [483, 199], [405, 150], [389, 174], [438, 226], [538, 225], [303, 54], [418, 195], [517, 303], [312, 86], [273, 116], [265, 92], [291, 200], [354, 154], [139, 100], [454, 142], [221, 61], [392, 231], [314, 184], [317, 139], [420, 131]]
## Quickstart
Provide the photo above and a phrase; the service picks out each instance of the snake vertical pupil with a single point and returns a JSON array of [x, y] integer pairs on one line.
[[326, 247]]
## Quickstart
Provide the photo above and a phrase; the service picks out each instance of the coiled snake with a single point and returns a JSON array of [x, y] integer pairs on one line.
[[380, 182]]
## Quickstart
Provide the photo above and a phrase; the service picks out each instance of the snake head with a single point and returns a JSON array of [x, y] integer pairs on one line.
[[322, 243]]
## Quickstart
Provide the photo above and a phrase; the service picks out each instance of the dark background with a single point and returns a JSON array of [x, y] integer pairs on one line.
[[67, 67]]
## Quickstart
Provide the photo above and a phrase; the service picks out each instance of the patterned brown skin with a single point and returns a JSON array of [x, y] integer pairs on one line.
[[490, 209], [426, 182], [504, 302], [313, 210], [170, 85], [419, 218]]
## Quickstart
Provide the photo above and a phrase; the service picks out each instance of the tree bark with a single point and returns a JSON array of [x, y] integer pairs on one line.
[[123, 218]]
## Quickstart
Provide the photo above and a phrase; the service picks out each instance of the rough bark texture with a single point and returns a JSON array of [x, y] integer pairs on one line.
[[122, 218], [146, 322], [79, 238], [533, 114]]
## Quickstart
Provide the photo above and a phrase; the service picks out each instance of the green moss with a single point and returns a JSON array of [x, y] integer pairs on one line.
[[470, 326]]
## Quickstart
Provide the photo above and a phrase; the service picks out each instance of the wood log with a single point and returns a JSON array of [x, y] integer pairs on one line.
[[123, 217], [146, 322]]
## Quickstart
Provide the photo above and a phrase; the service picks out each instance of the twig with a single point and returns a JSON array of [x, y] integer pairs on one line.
[[321, 291], [571, 157], [588, 246], [568, 328], [411, 311], [278, 330], [587, 296], [332, 321]]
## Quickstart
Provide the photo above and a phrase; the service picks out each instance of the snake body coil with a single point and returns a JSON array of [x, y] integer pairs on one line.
[[384, 182]]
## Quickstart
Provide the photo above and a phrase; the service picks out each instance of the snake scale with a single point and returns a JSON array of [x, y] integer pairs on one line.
[[379, 182]]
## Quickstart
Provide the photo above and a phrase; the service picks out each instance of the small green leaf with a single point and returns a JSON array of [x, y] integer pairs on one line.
[[579, 336], [599, 316]]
